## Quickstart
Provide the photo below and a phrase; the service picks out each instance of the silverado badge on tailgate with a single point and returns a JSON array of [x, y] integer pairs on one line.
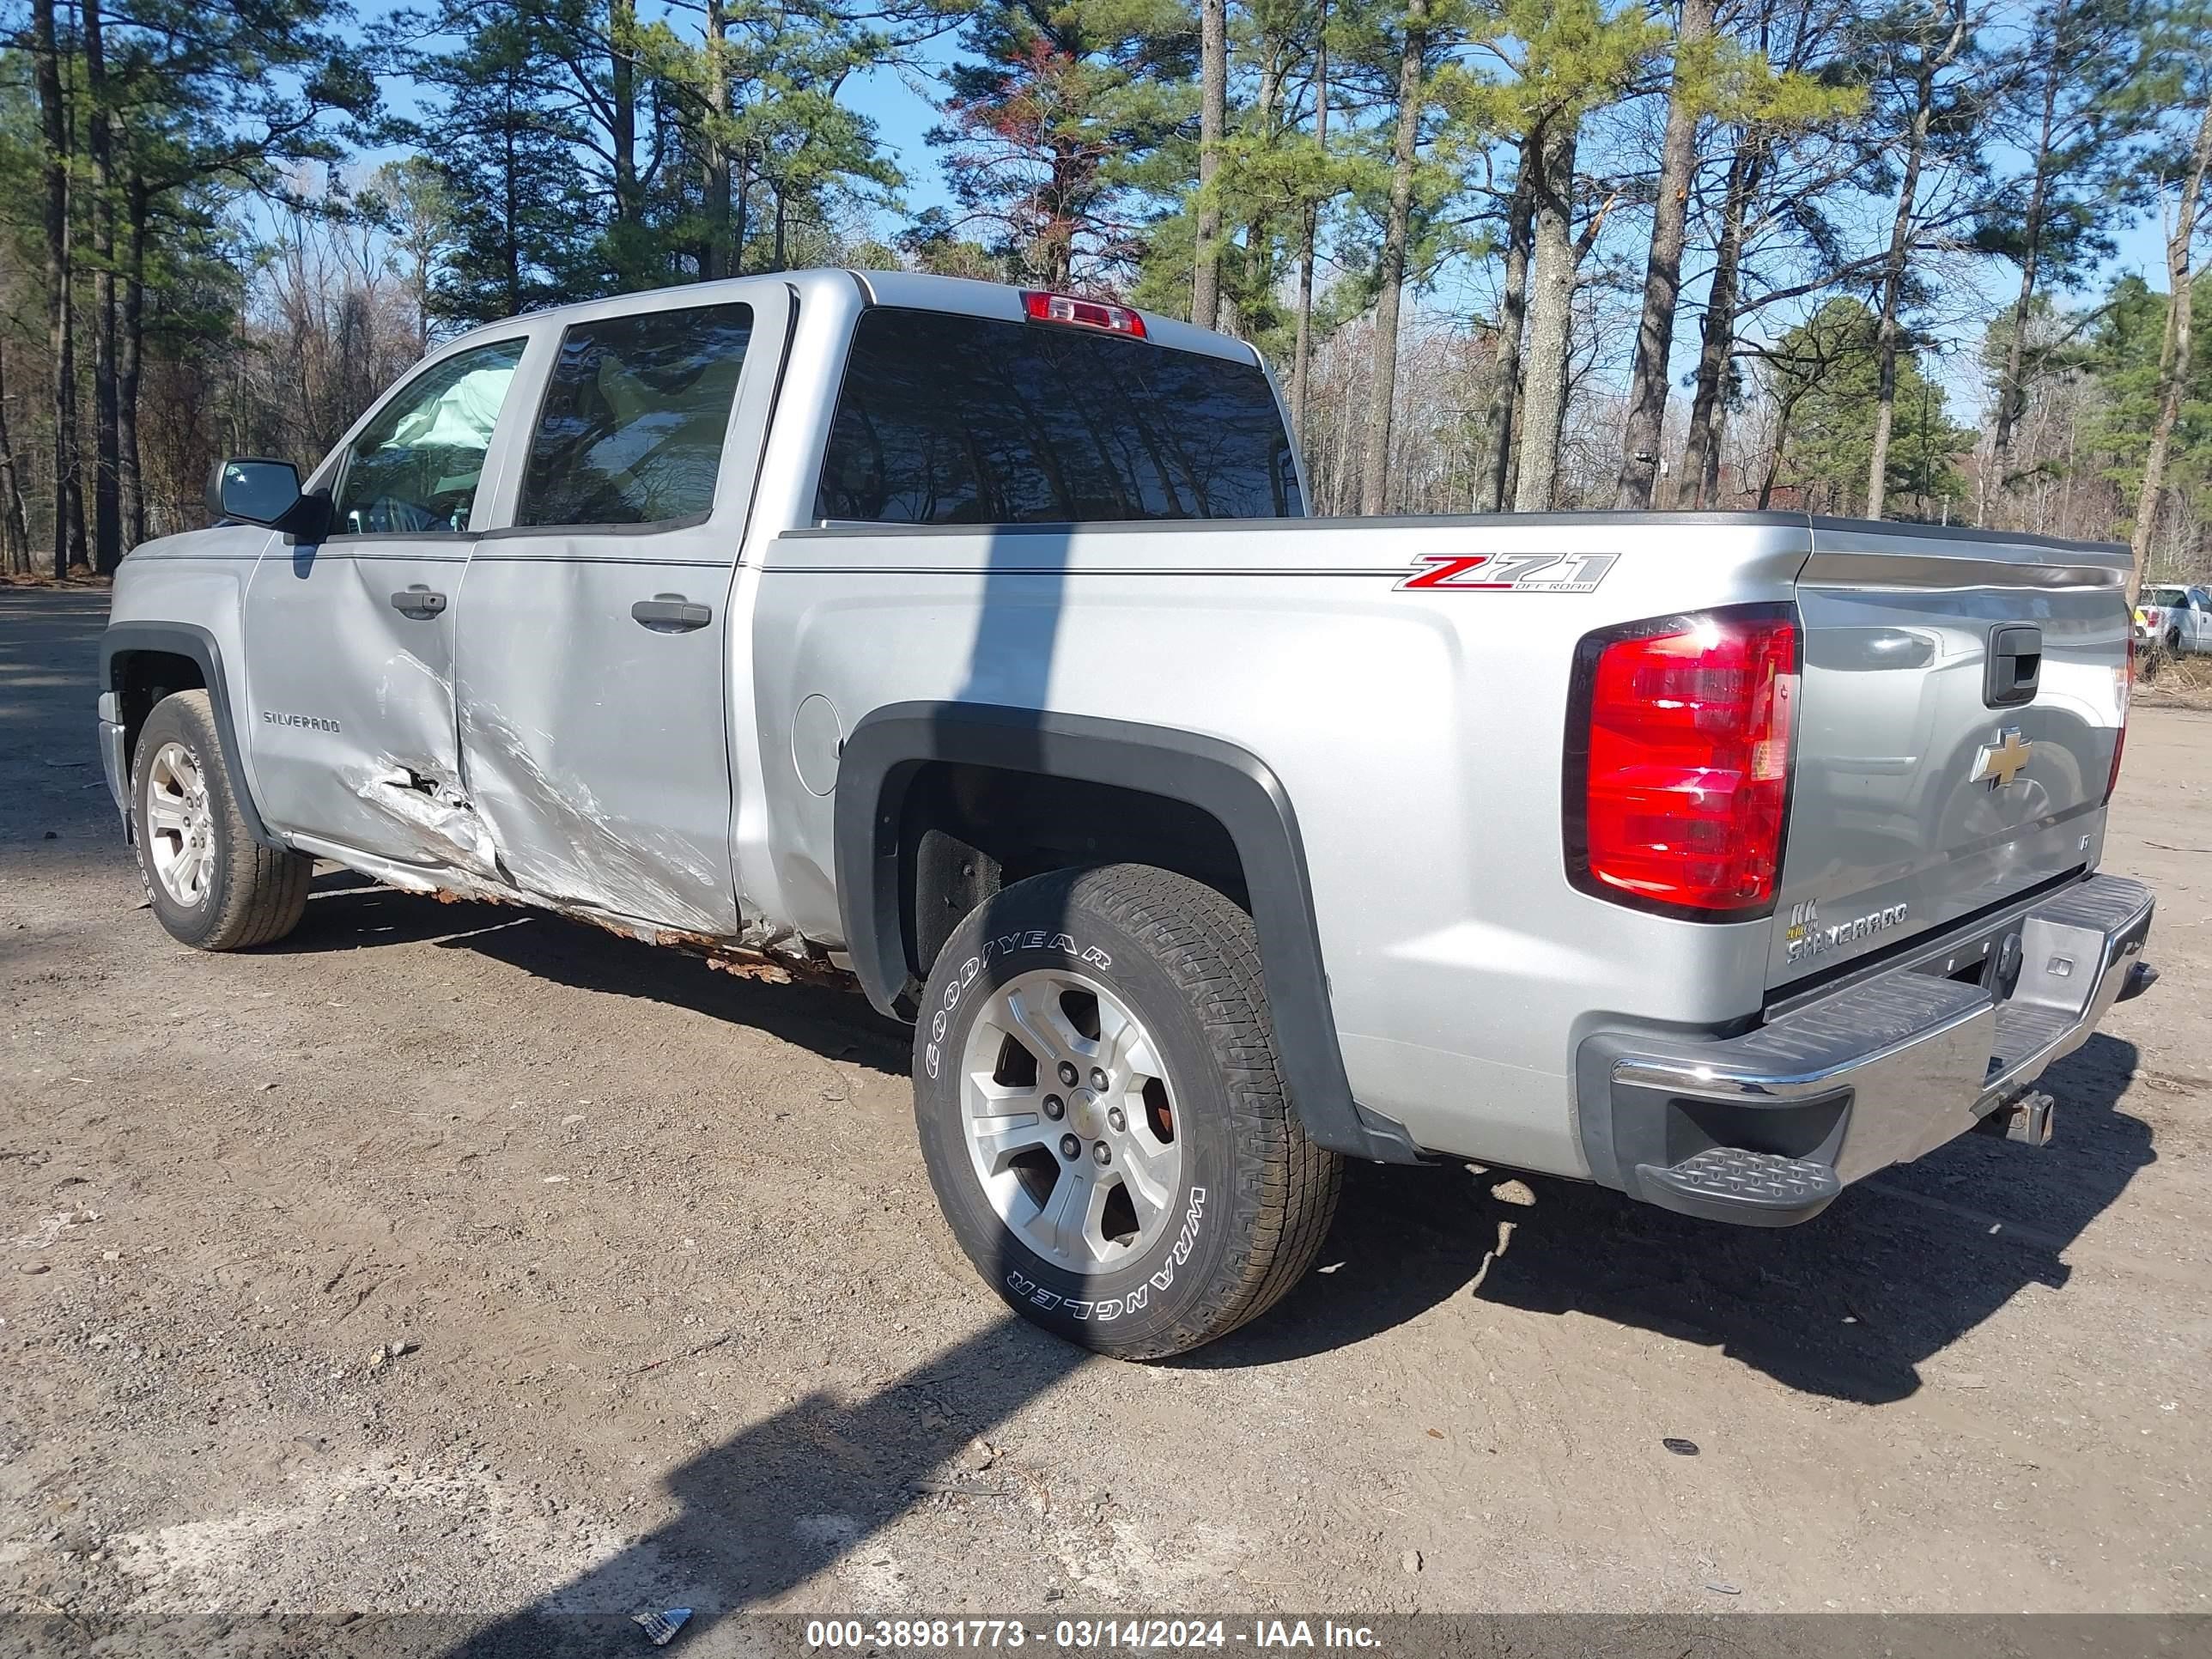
[[1806, 937]]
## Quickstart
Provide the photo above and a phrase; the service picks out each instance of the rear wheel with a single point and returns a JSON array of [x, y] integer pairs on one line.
[[2174, 641], [1102, 1109], [211, 884]]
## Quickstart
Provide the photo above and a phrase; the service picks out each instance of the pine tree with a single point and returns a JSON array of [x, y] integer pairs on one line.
[[2068, 107], [505, 146], [1048, 122], [1541, 67], [1688, 100], [1932, 111], [1829, 380]]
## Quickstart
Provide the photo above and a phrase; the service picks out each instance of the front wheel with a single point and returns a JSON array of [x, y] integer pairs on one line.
[[1102, 1111], [211, 884]]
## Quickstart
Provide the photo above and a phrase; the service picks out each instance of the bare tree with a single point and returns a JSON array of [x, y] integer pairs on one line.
[[2173, 353], [1927, 66], [1390, 268], [1662, 270]]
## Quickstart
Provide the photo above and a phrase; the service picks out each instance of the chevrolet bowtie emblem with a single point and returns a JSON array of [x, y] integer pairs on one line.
[[2001, 761]]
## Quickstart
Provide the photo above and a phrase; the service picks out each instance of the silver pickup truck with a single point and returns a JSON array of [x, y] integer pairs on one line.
[[973, 644]]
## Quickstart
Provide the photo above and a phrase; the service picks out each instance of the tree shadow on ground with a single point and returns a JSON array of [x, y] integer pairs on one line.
[[795, 1494], [1846, 1307]]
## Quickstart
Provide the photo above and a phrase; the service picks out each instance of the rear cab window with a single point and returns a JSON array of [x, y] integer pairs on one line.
[[947, 419]]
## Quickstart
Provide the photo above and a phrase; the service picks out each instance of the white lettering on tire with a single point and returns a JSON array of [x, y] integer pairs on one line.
[[1119, 1307], [1004, 945]]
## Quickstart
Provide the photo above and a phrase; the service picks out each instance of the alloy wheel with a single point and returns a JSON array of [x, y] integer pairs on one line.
[[1070, 1120], [179, 827]]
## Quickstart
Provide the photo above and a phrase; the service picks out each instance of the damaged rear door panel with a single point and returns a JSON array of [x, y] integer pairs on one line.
[[351, 677], [592, 654]]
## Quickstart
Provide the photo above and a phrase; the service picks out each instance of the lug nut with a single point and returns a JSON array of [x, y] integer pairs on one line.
[[1054, 1108], [1119, 1119], [1070, 1146], [1097, 1079], [1067, 1074], [1098, 1151]]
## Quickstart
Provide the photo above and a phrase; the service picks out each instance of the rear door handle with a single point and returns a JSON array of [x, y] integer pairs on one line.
[[418, 601], [672, 613]]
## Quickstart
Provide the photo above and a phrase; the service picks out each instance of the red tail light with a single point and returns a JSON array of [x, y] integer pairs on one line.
[[2127, 678], [1677, 788], [1083, 314]]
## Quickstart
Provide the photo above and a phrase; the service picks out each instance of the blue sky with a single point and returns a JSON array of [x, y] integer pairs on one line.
[[903, 114], [903, 117]]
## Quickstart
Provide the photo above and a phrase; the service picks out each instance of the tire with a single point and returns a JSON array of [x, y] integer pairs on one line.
[[2174, 641], [212, 885], [1223, 1201]]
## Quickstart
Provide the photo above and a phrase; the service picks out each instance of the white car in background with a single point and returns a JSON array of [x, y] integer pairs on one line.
[[2179, 618]]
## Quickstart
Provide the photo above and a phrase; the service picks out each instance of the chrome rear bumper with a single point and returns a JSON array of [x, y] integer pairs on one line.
[[1768, 1127]]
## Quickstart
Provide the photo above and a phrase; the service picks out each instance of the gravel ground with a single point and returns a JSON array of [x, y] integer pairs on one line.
[[446, 1257]]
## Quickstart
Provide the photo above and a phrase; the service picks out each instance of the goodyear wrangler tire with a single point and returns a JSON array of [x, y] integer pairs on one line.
[[1102, 1111], [211, 884]]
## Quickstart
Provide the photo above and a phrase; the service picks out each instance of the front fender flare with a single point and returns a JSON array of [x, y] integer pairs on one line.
[[177, 639], [888, 746]]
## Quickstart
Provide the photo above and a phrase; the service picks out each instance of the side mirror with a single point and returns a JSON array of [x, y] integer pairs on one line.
[[256, 491]]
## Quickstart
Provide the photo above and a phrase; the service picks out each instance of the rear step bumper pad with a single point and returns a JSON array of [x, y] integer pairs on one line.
[[1767, 1127]]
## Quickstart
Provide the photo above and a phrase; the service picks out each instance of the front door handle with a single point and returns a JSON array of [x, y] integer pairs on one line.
[[672, 613], [418, 603]]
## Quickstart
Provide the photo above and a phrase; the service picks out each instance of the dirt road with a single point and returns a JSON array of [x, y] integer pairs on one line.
[[676, 1323]]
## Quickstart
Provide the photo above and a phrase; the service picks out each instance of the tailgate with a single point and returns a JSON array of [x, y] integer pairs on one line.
[[1961, 696]]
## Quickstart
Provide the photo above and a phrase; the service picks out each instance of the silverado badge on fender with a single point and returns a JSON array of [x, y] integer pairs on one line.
[[1999, 762]]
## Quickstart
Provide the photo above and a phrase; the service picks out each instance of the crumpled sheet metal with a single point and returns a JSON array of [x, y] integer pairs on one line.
[[446, 828]]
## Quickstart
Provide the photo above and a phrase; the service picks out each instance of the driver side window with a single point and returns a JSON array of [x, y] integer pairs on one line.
[[413, 470]]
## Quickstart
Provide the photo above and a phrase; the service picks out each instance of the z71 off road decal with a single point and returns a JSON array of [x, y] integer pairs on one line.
[[1510, 573]]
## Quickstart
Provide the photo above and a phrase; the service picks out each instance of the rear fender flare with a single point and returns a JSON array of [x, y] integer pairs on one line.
[[887, 748]]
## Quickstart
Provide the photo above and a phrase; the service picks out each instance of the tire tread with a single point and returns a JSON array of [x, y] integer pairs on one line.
[[264, 889], [1287, 1187]]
